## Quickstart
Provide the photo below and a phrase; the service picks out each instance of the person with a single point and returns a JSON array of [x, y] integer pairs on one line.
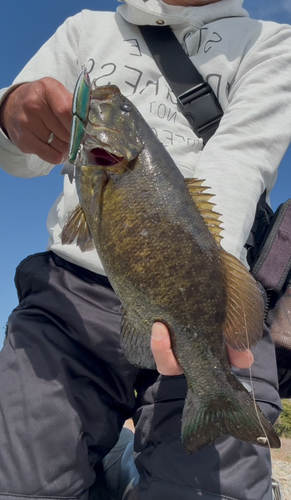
[[66, 388]]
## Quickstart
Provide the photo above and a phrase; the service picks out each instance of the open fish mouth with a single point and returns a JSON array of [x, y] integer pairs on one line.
[[103, 158]]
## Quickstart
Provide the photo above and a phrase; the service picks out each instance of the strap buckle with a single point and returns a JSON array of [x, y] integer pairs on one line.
[[202, 110]]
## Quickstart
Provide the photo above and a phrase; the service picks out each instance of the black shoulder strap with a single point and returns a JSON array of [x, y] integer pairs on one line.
[[195, 97], [199, 105]]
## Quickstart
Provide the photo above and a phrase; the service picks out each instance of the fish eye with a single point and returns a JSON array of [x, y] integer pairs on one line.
[[125, 106]]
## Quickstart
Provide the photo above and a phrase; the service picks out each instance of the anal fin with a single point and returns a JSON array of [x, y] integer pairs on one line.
[[135, 342]]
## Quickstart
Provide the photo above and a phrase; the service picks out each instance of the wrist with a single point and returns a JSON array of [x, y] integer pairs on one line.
[[3, 107], [2, 119]]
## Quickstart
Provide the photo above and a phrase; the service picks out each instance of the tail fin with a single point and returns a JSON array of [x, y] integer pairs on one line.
[[236, 414]]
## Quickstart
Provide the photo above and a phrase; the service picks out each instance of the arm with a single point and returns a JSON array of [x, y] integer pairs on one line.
[[242, 158], [38, 103]]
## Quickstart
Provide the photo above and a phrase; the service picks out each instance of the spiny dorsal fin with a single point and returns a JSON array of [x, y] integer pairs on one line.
[[76, 228], [201, 199], [243, 326]]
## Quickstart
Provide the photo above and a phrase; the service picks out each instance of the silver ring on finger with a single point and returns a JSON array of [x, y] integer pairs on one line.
[[51, 138]]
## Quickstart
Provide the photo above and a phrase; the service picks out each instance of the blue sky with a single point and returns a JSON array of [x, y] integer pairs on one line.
[[24, 203]]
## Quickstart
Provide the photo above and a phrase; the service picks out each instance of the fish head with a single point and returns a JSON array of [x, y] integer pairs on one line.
[[111, 139]]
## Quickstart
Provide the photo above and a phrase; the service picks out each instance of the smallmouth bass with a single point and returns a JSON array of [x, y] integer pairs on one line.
[[158, 238]]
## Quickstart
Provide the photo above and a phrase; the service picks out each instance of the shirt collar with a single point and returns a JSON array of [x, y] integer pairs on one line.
[[157, 12]]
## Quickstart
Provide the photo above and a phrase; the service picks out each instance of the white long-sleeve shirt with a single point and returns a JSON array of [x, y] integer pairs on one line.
[[247, 63]]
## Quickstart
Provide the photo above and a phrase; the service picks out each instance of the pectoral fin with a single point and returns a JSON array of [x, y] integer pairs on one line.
[[69, 170], [77, 229], [243, 327]]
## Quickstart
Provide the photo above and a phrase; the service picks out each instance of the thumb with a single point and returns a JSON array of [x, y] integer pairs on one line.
[[162, 352]]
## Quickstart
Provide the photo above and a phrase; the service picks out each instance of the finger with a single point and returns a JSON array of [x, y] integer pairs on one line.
[[60, 102], [41, 132], [239, 359], [57, 144], [45, 151], [163, 354], [51, 155], [42, 123], [52, 124], [53, 105]]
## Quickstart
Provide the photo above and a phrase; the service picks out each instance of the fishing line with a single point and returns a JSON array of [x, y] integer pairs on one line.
[[264, 439]]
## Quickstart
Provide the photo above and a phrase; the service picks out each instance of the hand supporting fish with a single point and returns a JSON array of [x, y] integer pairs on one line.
[[158, 238], [167, 363]]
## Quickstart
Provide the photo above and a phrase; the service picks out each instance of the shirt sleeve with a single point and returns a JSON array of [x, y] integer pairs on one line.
[[57, 58], [241, 161]]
